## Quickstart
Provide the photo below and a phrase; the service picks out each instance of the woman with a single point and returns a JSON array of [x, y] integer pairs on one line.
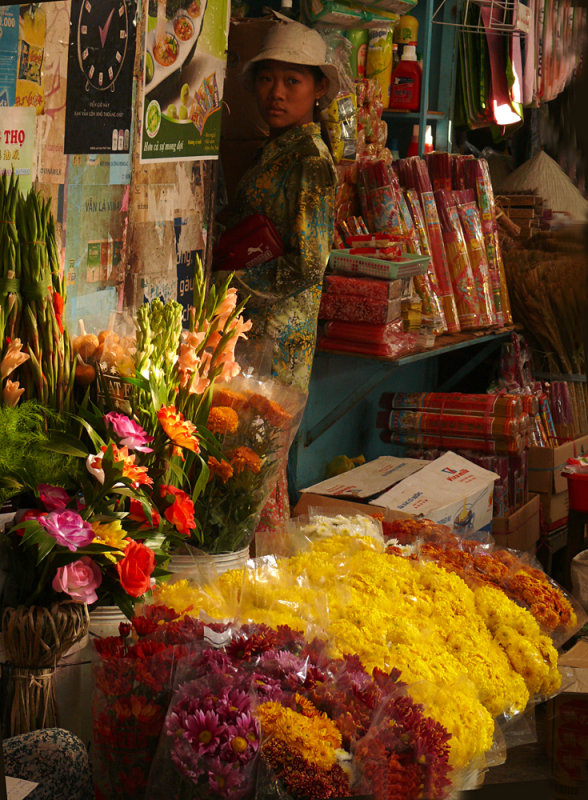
[[292, 182]]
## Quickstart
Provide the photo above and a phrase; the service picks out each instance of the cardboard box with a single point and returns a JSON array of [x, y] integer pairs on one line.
[[449, 490], [567, 720], [368, 479], [546, 463], [555, 508], [519, 530]]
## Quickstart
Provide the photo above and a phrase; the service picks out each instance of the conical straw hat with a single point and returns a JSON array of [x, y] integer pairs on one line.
[[543, 175]]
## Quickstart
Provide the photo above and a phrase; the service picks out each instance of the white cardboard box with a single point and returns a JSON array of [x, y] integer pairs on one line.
[[449, 490], [369, 479]]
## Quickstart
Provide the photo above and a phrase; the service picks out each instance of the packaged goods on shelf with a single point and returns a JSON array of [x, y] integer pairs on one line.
[[355, 308], [458, 262], [347, 14], [455, 402], [469, 216], [362, 331], [395, 342], [370, 288], [355, 263]]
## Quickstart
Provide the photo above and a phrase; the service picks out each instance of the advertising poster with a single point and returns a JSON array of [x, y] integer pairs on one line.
[[184, 71], [31, 55], [100, 76], [8, 54], [17, 137]]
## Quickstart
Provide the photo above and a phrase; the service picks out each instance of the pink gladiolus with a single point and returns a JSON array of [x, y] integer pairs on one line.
[[130, 433], [228, 305], [230, 370], [11, 393], [14, 358], [68, 529], [79, 580], [188, 361], [54, 498], [199, 385], [195, 338]]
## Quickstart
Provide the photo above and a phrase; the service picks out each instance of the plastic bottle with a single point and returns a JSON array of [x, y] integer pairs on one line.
[[405, 91]]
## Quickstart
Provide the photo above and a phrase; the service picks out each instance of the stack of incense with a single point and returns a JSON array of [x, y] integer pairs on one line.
[[491, 424]]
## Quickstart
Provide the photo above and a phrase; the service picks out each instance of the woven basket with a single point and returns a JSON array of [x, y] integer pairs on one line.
[[35, 638]]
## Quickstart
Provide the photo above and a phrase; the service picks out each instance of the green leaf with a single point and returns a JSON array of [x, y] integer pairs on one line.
[[67, 445], [97, 440], [201, 481]]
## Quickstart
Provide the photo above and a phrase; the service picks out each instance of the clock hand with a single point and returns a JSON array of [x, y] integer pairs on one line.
[[105, 29]]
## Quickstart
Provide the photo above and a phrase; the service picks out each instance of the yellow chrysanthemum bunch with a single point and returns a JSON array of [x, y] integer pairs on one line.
[[469, 656], [312, 734]]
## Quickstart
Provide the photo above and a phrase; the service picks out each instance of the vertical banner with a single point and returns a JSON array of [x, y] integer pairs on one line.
[[184, 70], [31, 53], [100, 76], [8, 54], [17, 138]]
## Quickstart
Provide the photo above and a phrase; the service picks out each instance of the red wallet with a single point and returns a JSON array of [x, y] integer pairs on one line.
[[251, 242]]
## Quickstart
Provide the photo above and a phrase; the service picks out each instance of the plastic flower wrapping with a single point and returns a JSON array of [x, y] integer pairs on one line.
[[469, 653], [224, 711]]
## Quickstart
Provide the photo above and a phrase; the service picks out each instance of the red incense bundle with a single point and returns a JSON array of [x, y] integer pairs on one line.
[[498, 405], [390, 333], [462, 278], [439, 167], [423, 186]]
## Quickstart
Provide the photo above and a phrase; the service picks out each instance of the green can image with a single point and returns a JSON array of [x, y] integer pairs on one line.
[[359, 42]]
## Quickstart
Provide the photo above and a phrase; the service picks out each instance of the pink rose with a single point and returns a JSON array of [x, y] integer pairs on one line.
[[54, 498], [130, 433], [79, 580], [68, 529]]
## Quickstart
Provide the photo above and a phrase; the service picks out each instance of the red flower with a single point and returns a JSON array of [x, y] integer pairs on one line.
[[137, 514], [135, 568], [181, 512]]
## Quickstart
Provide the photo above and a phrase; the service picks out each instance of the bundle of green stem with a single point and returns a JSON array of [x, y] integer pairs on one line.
[[32, 295]]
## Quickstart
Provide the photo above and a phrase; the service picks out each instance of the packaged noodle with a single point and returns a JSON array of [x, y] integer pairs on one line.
[[474, 238], [462, 278]]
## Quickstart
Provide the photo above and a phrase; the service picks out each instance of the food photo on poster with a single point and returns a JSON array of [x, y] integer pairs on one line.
[[183, 74]]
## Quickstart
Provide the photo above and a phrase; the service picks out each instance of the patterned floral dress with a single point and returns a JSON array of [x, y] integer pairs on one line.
[[293, 182]]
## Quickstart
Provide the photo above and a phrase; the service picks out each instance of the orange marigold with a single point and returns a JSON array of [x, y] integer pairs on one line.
[[227, 397], [272, 411], [245, 458], [220, 468], [180, 430], [222, 419]]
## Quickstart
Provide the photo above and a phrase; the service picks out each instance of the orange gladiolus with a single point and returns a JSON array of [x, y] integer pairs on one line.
[[180, 430]]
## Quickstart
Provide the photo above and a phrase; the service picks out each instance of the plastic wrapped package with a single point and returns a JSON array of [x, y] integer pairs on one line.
[[474, 238], [462, 278], [370, 288], [420, 180], [363, 332], [397, 343], [340, 121], [347, 14], [355, 308]]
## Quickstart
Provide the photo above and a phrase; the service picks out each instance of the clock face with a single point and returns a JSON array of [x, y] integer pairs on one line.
[[103, 28]]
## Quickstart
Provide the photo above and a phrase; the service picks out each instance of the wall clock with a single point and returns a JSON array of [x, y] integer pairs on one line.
[[103, 32]]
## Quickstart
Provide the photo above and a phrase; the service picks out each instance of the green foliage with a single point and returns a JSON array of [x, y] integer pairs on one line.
[[24, 457]]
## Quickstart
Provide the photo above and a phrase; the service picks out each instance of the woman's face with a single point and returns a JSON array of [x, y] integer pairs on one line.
[[286, 94]]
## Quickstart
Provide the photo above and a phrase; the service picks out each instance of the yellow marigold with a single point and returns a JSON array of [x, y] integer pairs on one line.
[[316, 738], [222, 420], [227, 397], [221, 469], [245, 458]]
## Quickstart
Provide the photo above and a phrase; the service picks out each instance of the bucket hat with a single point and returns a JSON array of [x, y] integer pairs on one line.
[[294, 43]]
